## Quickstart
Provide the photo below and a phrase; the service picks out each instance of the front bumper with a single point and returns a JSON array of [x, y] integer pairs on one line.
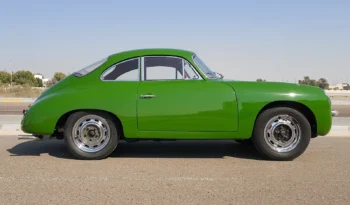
[[334, 113]]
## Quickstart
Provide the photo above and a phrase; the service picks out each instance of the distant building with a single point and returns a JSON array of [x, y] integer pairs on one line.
[[41, 77], [340, 86], [38, 76], [45, 81]]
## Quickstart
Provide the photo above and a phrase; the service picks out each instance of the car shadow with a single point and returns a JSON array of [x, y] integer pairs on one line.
[[147, 149]]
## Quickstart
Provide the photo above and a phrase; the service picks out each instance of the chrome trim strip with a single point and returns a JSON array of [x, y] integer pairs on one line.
[[142, 68]]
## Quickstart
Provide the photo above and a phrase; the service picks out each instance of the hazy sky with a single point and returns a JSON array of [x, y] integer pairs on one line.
[[243, 40]]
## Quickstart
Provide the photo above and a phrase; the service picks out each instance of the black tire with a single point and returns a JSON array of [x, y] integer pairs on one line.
[[109, 146], [262, 145]]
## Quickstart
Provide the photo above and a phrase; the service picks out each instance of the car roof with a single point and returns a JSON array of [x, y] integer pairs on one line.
[[153, 51]]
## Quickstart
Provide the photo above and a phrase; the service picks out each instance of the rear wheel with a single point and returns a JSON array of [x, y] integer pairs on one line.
[[91, 135], [281, 133]]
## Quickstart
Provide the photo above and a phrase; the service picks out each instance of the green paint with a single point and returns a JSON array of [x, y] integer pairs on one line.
[[181, 109]]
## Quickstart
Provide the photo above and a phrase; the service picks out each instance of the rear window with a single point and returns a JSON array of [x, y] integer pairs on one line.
[[88, 69]]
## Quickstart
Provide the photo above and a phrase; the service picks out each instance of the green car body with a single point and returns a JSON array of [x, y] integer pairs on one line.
[[204, 108]]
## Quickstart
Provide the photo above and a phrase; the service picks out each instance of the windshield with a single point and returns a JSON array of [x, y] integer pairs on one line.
[[88, 69], [204, 68]]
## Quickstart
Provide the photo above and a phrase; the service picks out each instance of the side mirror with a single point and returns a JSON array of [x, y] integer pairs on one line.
[[219, 74]]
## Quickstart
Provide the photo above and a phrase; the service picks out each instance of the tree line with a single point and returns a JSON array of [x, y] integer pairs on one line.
[[24, 77], [322, 82]]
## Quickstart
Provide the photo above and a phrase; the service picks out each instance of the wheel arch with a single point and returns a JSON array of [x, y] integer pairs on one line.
[[306, 111], [63, 119]]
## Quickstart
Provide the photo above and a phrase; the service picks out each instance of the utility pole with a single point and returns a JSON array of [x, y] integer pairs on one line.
[[11, 73]]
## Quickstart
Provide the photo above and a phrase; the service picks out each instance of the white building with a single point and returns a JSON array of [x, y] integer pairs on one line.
[[45, 81], [38, 76], [340, 86]]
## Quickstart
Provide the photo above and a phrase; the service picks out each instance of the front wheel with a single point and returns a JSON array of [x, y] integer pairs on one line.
[[91, 135], [281, 133]]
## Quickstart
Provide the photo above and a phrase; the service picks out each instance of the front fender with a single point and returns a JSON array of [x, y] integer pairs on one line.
[[252, 97]]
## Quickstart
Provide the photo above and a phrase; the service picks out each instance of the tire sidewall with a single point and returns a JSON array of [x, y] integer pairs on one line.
[[262, 146], [80, 154]]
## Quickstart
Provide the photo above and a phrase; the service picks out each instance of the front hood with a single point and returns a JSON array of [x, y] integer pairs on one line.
[[273, 87]]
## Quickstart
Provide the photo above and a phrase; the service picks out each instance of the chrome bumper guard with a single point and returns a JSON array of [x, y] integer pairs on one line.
[[334, 113]]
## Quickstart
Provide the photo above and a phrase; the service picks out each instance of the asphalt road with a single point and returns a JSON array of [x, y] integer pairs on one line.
[[202, 172], [16, 108], [12, 108], [344, 110]]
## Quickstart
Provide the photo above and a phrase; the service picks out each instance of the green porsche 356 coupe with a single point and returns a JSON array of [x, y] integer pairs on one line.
[[170, 94]]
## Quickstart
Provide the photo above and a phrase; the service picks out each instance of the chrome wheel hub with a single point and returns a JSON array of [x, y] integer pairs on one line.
[[282, 133], [91, 133]]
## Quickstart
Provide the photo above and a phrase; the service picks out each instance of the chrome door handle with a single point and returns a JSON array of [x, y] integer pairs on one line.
[[147, 96]]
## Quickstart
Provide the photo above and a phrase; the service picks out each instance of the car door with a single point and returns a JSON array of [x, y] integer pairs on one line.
[[119, 88], [172, 96]]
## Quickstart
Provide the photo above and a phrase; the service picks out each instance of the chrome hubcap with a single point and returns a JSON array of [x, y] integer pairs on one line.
[[91, 133], [282, 133]]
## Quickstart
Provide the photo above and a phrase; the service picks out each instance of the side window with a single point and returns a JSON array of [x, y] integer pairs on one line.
[[125, 71], [167, 68]]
